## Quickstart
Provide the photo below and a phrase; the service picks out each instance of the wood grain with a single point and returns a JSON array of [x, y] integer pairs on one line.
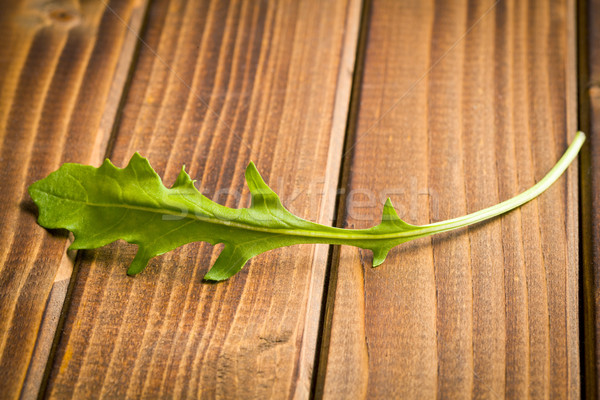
[[59, 72], [217, 84], [590, 189], [463, 104]]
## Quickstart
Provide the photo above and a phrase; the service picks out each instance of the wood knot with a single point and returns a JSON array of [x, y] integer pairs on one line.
[[64, 17], [62, 14], [594, 90]]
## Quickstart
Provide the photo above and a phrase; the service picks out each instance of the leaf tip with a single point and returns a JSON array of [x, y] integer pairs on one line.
[[107, 164], [139, 263], [379, 255], [256, 183], [218, 275], [389, 212], [230, 261], [32, 190], [252, 174], [390, 220], [214, 277], [183, 180], [137, 158]]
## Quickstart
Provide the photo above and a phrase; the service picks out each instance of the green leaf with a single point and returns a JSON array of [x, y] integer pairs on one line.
[[101, 205]]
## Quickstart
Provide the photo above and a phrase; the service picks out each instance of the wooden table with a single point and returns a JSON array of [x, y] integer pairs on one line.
[[445, 106]]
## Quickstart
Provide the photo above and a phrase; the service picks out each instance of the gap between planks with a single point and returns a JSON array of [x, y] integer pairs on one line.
[[589, 178], [339, 213], [58, 300]]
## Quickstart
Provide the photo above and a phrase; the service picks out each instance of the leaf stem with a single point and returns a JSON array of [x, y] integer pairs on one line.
[[514, 202], [348, 236]]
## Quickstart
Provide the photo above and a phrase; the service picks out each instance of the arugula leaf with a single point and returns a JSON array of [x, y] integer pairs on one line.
[[101, 205]]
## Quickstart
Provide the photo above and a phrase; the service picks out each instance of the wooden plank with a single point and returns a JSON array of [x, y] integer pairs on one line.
[[590, 189], [63, 66], [220, 83], [462, 105]]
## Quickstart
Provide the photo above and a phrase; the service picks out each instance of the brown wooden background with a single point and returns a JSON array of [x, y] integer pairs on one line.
[[445, 106]]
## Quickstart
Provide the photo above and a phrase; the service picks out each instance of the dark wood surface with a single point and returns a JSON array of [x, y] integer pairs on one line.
[[446, 107], [590, 193], [462, 106], [62, 70]]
